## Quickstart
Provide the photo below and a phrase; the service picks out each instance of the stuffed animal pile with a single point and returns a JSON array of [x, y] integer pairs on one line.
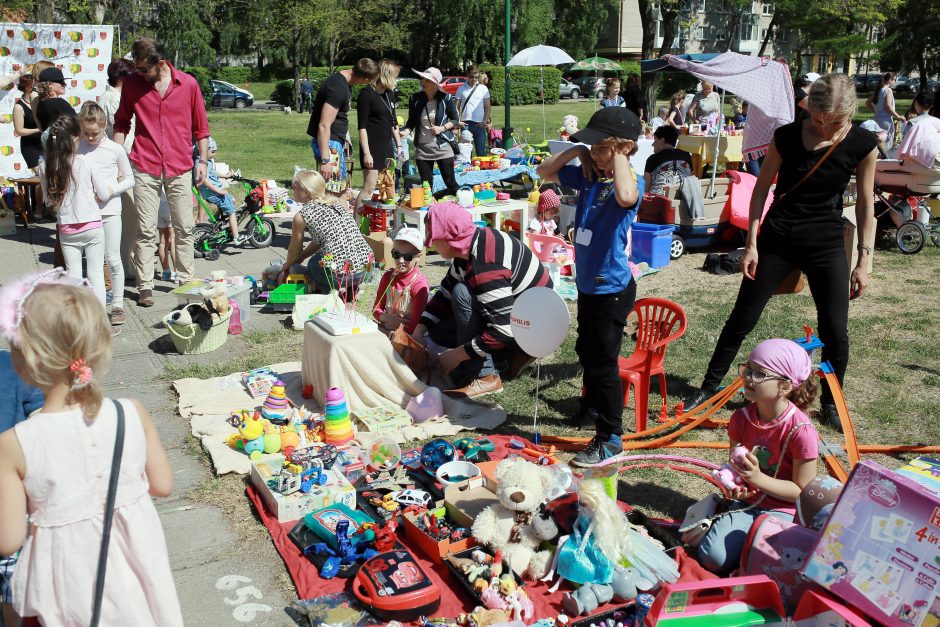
[[213, 308]]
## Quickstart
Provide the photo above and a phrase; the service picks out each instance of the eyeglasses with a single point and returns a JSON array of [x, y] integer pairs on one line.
[[143, 69], [397, 254], [758, 377]]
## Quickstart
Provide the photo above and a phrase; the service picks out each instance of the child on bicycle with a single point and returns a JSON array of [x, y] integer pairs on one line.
[[214, 192]]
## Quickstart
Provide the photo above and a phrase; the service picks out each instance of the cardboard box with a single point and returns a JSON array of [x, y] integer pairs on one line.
[[293, 506], [384, 419], [817, 610], [465, 501], [880, 549], [433, 549], [924, 471]]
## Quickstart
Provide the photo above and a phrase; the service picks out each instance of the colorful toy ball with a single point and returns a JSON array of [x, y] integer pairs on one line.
[[383, 454]]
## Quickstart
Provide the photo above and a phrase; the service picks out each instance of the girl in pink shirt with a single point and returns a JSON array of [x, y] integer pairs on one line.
[[403, 290], [781, 443], [72, 187]]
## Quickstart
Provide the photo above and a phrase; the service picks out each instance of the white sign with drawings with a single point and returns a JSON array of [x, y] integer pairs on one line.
[[81, 51]]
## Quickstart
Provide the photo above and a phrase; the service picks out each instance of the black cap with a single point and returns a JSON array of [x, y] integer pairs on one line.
[[610, 122], [52, 75]]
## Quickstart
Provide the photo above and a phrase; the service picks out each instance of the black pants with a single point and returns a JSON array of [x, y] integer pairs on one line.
[[601, 319], [446, 166], [820, 254], [461, 327]]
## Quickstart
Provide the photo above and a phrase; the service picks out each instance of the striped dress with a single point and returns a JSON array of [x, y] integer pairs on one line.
[[500, 268]]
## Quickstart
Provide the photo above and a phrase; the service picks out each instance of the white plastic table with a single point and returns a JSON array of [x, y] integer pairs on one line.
[[497, 209]]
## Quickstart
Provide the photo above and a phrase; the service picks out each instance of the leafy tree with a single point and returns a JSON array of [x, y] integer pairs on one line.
[[578, 24], [914, 39]]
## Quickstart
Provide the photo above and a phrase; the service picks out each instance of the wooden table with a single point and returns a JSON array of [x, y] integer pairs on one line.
[[28, 191], [498, 210], [702, 148]]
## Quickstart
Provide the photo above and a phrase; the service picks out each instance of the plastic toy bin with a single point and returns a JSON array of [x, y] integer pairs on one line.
[[651, 243]]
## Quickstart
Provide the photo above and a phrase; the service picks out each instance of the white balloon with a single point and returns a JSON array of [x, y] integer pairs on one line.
[[539, 321]]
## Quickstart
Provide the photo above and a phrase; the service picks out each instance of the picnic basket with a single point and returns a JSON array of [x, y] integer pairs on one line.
[[190, 339]]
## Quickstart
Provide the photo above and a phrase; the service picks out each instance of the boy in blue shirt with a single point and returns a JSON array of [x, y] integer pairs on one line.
[[212, 191], [16, 404], [609, 193]]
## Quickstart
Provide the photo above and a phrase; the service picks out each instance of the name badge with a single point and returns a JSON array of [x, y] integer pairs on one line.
[[583, 236]]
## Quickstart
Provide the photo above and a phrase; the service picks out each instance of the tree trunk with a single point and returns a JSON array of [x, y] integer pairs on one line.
[[770, 32], [670, 16], [649, 28]]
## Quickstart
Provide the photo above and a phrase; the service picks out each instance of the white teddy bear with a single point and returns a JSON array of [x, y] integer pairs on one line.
[[522, 487]]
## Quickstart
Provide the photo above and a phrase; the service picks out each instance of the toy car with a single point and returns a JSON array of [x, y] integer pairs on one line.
[[389, 502], [419, 498]]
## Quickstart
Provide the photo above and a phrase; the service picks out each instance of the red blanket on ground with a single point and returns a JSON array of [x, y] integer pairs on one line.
[[454, 599]]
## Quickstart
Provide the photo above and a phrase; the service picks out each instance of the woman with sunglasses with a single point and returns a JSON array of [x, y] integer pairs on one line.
[[403, 290], [815, 159]]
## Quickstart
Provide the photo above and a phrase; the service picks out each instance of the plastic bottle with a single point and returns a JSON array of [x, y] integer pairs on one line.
[[235, 321]]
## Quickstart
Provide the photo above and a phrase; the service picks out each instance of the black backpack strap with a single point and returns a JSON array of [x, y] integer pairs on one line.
[[108, 514]]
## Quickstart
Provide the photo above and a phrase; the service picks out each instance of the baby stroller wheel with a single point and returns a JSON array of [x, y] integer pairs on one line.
[[910, 237], [213, 255]]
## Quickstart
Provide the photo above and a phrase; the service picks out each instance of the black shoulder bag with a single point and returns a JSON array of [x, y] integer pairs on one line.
[[108, 515]]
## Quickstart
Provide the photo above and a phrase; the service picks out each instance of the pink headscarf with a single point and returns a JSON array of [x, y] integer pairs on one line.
[[784, 357], [451, 223]]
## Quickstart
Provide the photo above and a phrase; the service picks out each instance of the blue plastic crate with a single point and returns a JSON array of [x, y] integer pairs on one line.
[[651, 243]]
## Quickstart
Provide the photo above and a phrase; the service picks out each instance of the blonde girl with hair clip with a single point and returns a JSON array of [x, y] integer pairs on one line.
[[109, 160], [72, 187], [75, 495], [332, 231]]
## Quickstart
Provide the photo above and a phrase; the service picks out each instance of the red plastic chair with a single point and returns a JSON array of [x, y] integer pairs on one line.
[[660, 321]]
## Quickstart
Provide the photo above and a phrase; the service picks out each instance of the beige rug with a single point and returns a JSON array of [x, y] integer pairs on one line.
[[207, 404]]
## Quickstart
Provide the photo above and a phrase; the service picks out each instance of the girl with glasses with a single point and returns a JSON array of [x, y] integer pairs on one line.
[[781, 443]]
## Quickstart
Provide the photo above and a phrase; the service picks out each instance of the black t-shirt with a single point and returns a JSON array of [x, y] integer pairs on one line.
[[667, 167], [50, 110], [335, 91], [817, 202], [634, 99]]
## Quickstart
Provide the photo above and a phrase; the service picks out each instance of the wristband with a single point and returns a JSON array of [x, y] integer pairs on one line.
[[864, 247], [201, 160]]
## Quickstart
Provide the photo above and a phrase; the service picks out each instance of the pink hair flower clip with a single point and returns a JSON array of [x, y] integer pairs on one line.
[[82, 373]]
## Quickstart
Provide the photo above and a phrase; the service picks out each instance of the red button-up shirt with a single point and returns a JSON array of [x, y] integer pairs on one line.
[[167, 126]]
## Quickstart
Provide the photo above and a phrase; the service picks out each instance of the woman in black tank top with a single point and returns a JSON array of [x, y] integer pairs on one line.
[[815, 158]]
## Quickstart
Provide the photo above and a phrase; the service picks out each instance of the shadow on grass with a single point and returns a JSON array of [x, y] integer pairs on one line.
[[653, 497]]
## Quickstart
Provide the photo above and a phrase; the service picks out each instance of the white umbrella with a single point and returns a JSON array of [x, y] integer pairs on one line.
[[540, 56]]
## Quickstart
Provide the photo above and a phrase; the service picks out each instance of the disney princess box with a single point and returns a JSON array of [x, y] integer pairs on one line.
[[880, 549]]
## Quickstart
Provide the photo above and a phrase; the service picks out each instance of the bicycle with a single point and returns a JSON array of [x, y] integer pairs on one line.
[[209, 238]]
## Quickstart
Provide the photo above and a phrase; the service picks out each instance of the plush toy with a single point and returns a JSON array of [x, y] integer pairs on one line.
[[482, 617], [586, 599], [216, 301], [726, 475], [386, 184], [569, 126], [193, 313], [506, 526]]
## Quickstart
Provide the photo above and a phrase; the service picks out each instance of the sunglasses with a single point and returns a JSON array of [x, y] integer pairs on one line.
[[397, 254]]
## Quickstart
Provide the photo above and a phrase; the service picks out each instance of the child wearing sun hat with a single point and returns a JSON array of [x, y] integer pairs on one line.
[[403, 289]]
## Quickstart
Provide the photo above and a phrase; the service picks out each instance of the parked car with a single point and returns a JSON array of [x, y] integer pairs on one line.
[[451, 84], [906, 85], [866, 82], [591, 85], [567, 89], [227, 95]]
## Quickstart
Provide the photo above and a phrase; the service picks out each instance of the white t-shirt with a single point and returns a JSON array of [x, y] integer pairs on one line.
[[471, 106], [110, 162], [657, 122]]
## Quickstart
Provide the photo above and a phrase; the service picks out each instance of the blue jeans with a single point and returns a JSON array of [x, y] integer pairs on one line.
[[324, 280], [753, 167], [479, 137], [720, 550], [465, 323]]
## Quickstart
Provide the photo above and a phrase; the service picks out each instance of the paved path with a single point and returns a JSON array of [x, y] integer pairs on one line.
[[218, 577]]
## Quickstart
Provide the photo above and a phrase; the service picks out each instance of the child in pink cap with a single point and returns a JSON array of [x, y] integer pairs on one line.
[[782, 445], [544, 222]]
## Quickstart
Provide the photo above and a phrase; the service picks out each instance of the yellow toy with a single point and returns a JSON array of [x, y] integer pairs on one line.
[[250, 436]]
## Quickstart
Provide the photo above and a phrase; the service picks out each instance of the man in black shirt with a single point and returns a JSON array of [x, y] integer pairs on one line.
[[329, 124], [668, 165]]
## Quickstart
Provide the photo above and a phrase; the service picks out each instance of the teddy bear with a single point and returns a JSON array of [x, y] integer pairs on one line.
[[569, 126], [216, 301], [507, 525]]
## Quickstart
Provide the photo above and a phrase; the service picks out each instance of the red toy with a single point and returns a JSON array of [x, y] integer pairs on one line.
[[741, 600], [394, 587], [384, 539], [307, 392]]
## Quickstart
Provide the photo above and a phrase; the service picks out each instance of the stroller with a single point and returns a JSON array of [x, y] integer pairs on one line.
[[903, 190]]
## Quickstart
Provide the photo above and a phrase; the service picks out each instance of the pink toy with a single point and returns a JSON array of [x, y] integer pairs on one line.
[[727, 476], [521, 604], [492, 599], [676, 603], [429, 404]]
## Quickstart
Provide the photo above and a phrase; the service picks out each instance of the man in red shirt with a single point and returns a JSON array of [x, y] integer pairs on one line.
[[171, 115]]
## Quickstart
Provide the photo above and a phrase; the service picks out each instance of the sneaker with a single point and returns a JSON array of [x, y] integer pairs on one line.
[[166, 275], [478, 387], [118, 316], [108, 297], [145, 298], [828, 415], [174, 278], [599, 449], [115, 331], [241, 239]]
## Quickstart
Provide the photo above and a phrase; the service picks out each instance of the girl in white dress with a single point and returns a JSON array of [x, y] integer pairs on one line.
[[56, 466]]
